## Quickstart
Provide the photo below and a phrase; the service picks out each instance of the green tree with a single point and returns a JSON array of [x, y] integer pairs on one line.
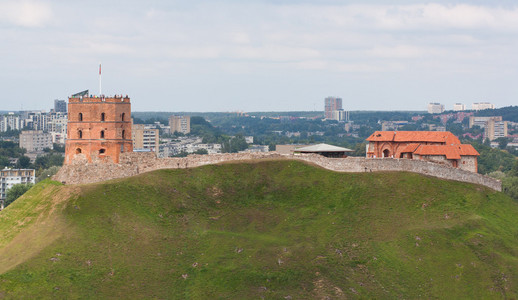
[[24, 162], [514, 169], [502, 142], [201, 151], [15, 192], [4, 162], [47, 173], [510, 186], [48, 160], [234, 144]]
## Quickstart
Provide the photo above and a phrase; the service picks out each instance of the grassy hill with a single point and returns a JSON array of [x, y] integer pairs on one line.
[[273, 229]]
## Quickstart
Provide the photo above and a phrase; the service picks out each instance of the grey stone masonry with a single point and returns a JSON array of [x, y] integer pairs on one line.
[[133, 163]]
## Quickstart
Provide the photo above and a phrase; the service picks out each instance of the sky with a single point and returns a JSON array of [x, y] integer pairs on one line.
[[226, 55]]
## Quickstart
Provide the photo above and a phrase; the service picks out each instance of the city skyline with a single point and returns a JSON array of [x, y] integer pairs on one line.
[[260, 55]]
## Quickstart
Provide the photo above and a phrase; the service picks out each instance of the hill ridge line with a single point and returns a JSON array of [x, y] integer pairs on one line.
[[134, 163]]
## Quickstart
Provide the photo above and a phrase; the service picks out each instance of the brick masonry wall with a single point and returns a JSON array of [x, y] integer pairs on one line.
[[133, 163]]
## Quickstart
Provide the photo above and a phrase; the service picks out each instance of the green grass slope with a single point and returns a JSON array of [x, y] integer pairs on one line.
[[271, 229]]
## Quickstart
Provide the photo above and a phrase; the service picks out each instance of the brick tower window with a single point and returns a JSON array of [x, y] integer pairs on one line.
[[80, 116], [80, 134], [102, 117], [102, 151], [78, 151], [123, 134], [122, 117], [102, 134]]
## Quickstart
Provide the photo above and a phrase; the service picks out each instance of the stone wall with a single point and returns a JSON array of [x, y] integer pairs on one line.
[[133, 163]]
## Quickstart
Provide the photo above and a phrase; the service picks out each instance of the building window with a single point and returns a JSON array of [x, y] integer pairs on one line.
[[123, 134], [80, 134], [102, 151], [78, 151], [80, 117], [102, 134], [102, 117], [122, 117]]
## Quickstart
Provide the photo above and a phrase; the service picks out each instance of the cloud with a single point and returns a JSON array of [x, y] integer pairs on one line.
[[25, 13]]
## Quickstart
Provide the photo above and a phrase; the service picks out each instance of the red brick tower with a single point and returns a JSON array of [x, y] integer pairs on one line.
[[99, 128]]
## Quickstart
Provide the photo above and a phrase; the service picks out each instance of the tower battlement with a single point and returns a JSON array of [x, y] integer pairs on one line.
[[99, 128]]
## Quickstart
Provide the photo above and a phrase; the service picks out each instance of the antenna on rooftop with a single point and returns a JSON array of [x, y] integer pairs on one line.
[[100, 87]]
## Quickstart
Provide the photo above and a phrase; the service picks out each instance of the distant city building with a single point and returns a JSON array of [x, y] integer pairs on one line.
[[35, 140], [459, 107], [186, 144], [11, 122], [145, 137], [493, 127], [57, 126], [180, 124], [482, 106], [35, 120], [392, 125], [435, 108], [482, 121], [340, 115], [60, 106], [332, 104], [10, 177]]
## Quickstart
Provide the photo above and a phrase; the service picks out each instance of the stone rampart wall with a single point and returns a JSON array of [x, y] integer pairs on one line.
[[133, 163]]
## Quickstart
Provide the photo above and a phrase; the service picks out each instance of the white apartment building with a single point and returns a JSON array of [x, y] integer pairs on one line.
[[180, 124], [10, 177], [35, 140], [145, 137], [57, 126], [482, 106], [493, 127], [11, 122], [435, 108], [459, 107]]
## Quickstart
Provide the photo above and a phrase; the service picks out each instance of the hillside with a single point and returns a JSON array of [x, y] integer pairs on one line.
[[278, 229]]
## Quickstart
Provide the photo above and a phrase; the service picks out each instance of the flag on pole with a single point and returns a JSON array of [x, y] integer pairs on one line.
[[99, 69]]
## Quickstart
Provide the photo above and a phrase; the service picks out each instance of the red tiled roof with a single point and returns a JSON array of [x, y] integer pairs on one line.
[[410, 148], [450, 151], [414, 136]]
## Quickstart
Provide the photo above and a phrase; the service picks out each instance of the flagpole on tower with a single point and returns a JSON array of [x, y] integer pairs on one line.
[[100, 87]]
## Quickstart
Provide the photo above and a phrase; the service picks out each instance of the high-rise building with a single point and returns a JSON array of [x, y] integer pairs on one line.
[[35, 140], [435, 108], [459, 107], [482, 106], [60, 106], [180, 124], [11, 122], [57, 126], [493, 127], [99, 128], [145, 138], [331, 104], [10, 177]]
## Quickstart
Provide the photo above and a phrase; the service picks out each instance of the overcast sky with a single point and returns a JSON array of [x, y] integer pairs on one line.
[[260, 55]]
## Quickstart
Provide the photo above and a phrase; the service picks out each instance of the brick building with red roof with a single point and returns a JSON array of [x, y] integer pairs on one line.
[[437, 146]]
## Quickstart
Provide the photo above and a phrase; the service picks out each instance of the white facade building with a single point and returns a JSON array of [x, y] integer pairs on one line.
[[35, 140], [482, 106], [11, 122], [10, 177], [459, 107], [435, 108]]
